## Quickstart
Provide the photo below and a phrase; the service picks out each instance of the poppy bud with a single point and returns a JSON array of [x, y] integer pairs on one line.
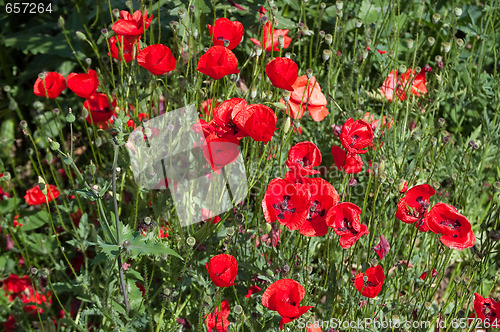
[[410, 43], [286, 126], [446, 47], [81, 35], [458, 11], [359, 23], [431, 41], [339, 5], [328, 39], [61, 22], [435, 18], [326, 54]]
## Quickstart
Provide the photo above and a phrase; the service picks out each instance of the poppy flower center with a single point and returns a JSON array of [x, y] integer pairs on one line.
[[347, 226], [315, 209], [453, 224], [370, 284], [487, 311], [354, 139], [284, 208]]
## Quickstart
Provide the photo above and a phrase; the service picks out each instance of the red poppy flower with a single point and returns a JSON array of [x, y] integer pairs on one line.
[[120, 46], [283, 73], [35, 196], [356, 135], [302, 157], [284, 296], [224, 29], [51, 85], [323, 197], [220, 151], [209, 216], [344, 219], [252, 290], [373, 285], [455, 228], [306, 95], [158, 59], [370, 118], [286, 202], [400, 84], [208, 106], [83, 85], [349, 163], [15, 284], [222, 270], [424, 275], [224, 113], [217, 320], [22, 288], [413, 207], [487, 310], [98, 107], [271, 38], [132, 26], [258, 121], [218, 62]]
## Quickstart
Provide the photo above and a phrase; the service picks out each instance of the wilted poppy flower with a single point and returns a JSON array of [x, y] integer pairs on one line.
[[414, 205], [356, 135], [98, 107], [306, 95], [120, 46], [371, 287], [400, 84], [424, 275], [225, 29], [283, 73], [220, 151], [51, 85], [286, 202], [344, 219], [284, 296], [271, 36], [217, 321], [488, 310], [252, 290], [218, 62], [222, 270], [158, 59], [455, 228], [83, 85], [323, 197], [35, 196], [302, 157], [258, 121], [349, 163], [132, 26], [382, 248]]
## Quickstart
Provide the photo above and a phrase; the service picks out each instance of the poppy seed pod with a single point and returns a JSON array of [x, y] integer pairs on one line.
[[431, 41], [410, 43], [446, 47], [326, 54], [435, 18], [359, 23], [458, 11], [339, 5], [328, 39]]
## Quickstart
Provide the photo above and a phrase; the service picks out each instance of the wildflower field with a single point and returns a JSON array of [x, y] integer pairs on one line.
[[250, 165]]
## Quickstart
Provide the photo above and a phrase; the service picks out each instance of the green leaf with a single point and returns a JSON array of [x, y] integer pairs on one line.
[[8, 205], [33, 221], [279, 105]]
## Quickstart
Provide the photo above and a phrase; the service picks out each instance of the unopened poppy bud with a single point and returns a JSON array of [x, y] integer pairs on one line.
[[268, 227], [61, 22], [446, 47], [281, 41], [286, 125], [458, 11], [191, 241], [326, 54], [431, 41], [364, 54], [435, 18], [54, 145], [460, 42], [339, 4], [237, 309], [309, 73], [359, 23], [81, 35], [328, 39], [410, 43], [253, 92], [258, 50], [402, 69]]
